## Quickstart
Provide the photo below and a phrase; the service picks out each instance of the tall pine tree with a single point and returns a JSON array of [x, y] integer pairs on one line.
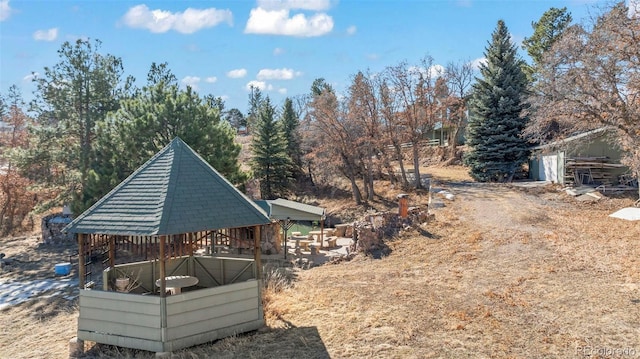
[[290, 123], [497, 146], [270, 164]]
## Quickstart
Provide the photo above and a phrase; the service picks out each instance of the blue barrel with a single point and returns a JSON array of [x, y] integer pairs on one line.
[[63, 268]]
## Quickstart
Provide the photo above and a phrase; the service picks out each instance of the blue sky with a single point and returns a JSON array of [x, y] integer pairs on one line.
[[281, 46]]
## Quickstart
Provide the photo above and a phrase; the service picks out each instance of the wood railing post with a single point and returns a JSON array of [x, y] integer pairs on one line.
[[257, 251], [163, 270], [82, 269]]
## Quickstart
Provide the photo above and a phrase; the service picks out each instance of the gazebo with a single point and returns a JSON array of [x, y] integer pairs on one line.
[[288, 212], [171, 208]]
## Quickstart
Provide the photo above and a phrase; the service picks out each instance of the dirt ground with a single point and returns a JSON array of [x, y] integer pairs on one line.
[[501, 272]]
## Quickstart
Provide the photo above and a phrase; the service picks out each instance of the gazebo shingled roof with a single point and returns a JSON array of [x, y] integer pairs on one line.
[[175, 192]]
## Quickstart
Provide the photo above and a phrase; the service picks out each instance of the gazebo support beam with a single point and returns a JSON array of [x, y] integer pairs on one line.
[[82, 269], [112, 251], [321, 232], [163, 270], [257, 251]]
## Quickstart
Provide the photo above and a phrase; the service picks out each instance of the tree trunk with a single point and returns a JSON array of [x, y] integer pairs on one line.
[[416, 165], [357, 196], [387, 165], [310, 174], [369, 176], [453, 143], [355, 190], [638, 181], [403, 172]]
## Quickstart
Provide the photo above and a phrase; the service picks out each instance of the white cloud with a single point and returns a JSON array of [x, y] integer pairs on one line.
[[313, 5], [211, 79], [261, 85], [46, 35], [187, 22], [373, 56], [437, 71], [432, 72], [192, 81], [351, 30], [31, 76], [634, 7], [278, 22], [282, 91], [277, 74], [5, 10], [237, 73], [477, 62], [278, 51]]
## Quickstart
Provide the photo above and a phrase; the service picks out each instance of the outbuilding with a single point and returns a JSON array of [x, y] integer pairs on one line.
[[588, 158]]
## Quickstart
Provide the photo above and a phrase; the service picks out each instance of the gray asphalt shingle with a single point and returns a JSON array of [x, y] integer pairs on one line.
[[175, 192]]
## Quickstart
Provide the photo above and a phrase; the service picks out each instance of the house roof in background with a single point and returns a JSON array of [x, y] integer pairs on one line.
[[175, 192]]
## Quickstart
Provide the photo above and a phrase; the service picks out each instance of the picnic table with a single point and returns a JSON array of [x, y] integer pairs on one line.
[[175, 283]]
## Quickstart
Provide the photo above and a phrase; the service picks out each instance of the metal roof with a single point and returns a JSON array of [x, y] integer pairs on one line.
[[175, 192], [282, 209], [580, 136]]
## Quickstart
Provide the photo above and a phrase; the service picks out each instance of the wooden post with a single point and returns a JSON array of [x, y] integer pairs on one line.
[[82, 270], [112, 251], [321, 231], [403, 205], [257, 251], [163, 270]]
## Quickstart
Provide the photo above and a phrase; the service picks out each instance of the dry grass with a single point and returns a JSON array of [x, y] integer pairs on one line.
[[500, 273]]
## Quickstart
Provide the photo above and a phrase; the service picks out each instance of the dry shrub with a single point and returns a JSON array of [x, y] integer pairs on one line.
[[530, 291], [276, 279]]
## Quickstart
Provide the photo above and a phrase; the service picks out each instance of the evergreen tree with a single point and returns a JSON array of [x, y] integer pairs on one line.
[[497, 147], [546, 32], [255, 105], [290, 125], [271, 164], [235, 118], [73, 98], [149, 120]]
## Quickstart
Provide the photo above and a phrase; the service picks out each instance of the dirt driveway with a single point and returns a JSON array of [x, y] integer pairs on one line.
[[561, 277], [502, 272]]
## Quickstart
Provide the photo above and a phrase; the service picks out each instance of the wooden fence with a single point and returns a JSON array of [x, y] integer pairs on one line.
[[229, 303]]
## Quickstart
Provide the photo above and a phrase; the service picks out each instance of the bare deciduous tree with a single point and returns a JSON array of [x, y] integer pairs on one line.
[[16, 197], [591, 78], [414, 91], [459, 77], [332, 137], [363, 111]]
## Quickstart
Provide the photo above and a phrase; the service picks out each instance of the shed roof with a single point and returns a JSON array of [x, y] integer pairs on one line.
[[568, 140], [281, 209], [175, 192]]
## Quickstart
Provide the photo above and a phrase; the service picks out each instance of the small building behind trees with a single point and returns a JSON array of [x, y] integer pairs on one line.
[[588, 158]]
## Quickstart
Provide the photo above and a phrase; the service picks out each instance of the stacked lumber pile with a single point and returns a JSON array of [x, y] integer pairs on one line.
[[590, 171]]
